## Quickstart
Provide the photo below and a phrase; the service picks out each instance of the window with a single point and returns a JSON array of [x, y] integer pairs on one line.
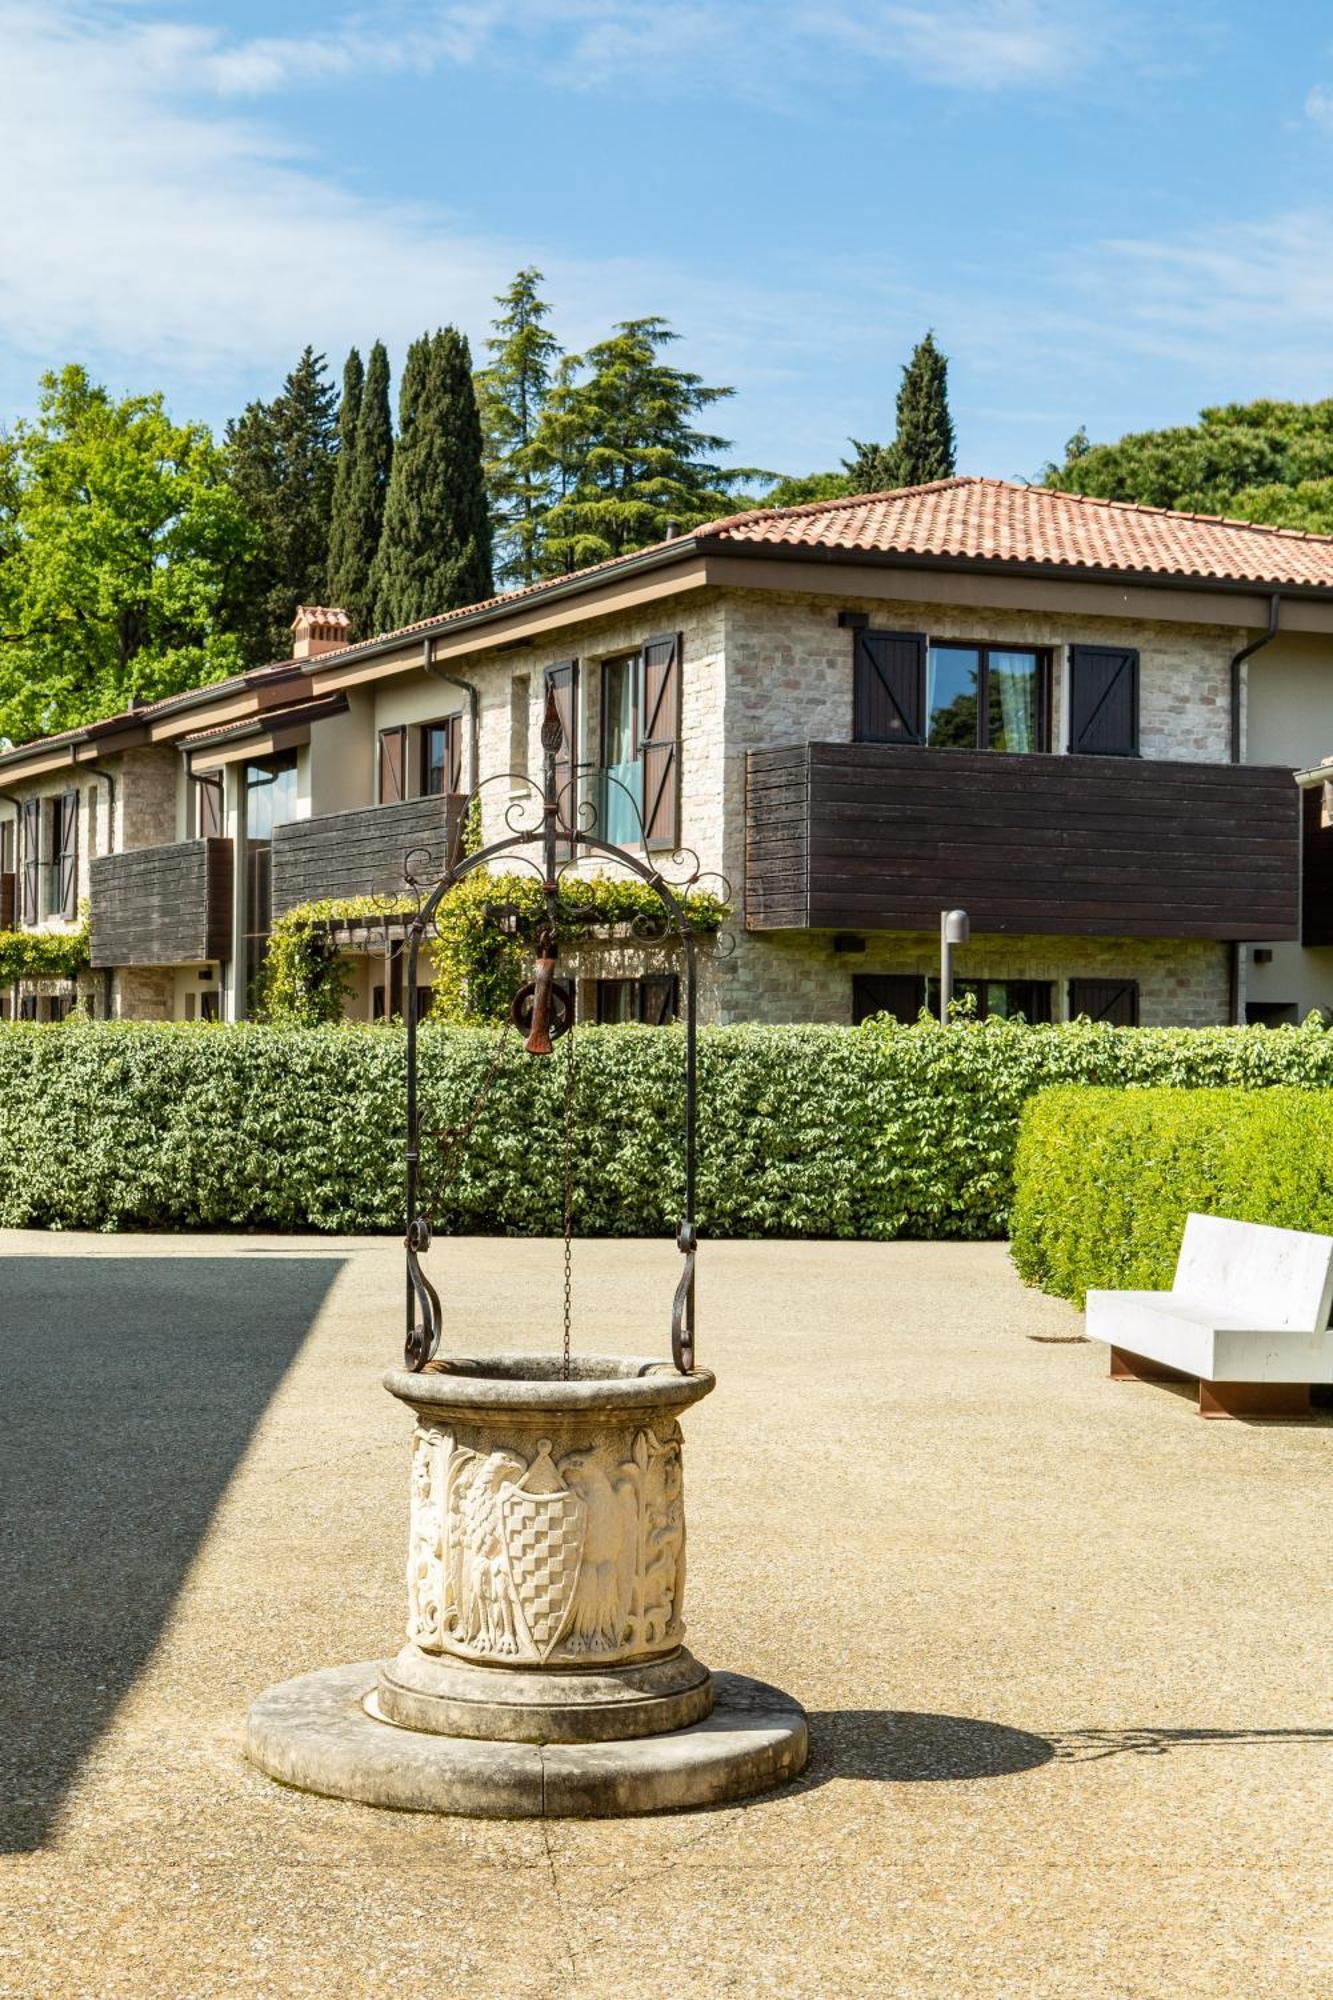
[[563, 682], [29, 870], [621, 788], [998, 999], [208, 816], [520, 703], [1104, 701], [951, 696], [1272, 1014], [393, 766], [270, 801], [7, 847], [653, 999], [985, 698], [61, 855], [901, 995], [441, 757], [1113, 1000]]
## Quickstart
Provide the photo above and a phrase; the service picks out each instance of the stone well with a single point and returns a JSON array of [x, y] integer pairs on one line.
[[545, 1669]]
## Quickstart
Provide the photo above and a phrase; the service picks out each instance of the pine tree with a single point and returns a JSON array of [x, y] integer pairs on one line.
[[349, 411], [511, 394], [624, 458], [359, 506], [924, 448], [435, 547], [281, 458]]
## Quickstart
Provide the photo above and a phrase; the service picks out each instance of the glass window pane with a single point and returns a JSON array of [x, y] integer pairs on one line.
[[953, 674], [618, 711], [1012, 700], [437, 740]]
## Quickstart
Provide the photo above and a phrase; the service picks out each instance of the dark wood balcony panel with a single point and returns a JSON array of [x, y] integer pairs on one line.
[[362, 853], [862, 836], [162, 905], [7, 900]]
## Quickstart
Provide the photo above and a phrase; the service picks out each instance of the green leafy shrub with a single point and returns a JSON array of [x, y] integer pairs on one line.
[[478, 965], [1105, 1178], [870, 1132], [43, 954]]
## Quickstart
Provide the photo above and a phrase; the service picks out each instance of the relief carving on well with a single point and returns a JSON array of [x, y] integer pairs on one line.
[[521, 1556]]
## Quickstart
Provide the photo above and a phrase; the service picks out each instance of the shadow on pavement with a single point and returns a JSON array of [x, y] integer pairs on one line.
[[114, 1451], [903, 1748]]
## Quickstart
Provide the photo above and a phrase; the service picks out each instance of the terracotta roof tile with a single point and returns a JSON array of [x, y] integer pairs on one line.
[[990, 520]]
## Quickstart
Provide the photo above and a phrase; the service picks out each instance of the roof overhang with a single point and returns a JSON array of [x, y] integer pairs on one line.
[[259, 736]]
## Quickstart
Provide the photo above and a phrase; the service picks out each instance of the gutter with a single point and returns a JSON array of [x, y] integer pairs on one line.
[[473, 708], [1237, 662]]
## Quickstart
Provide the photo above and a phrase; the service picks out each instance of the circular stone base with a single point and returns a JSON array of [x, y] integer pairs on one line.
[[444, 1697], [316, 1734]]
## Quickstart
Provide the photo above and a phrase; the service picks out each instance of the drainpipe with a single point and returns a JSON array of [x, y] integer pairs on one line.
[[108, 778], [1237, 662], [473, 708]]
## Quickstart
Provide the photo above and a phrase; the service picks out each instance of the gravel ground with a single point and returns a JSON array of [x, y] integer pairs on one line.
[[1064, 1646]]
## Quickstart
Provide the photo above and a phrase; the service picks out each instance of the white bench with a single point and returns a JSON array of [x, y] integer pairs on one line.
[[1247, 1316]]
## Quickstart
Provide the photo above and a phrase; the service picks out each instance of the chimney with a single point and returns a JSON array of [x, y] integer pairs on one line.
[[319, 628]]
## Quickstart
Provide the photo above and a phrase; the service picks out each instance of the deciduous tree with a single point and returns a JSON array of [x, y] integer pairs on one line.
[[125, 557]]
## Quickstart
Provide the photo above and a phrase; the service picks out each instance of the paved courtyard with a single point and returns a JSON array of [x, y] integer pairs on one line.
[[1064, 1646]]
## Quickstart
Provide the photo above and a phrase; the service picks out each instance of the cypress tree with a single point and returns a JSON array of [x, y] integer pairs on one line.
[[349, 410], [435, 546], [924, 448], [511, 394], [281, 458], [359, 505]]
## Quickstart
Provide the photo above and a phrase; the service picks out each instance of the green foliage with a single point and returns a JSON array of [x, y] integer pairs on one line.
[[304, 981], [358, 499], [479, 967], [616, 440], [435, 547], [511, 395], [282, 457], [341, 530], [43, 954], [124, 558], [871, 1132], [1263, 461], [1104, 1179], [924, 447], [804, 489]]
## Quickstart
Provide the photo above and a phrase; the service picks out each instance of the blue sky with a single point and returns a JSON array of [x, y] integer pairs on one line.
[[1111, 212]]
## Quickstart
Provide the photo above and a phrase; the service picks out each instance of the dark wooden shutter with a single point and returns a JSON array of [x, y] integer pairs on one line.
[[1113, 1000], [563, 681], [659, 999], [899, 994], [1104, 701], [661, 741], [393, 766], [889, 677], [208, 808], [30, 860], [67, 857]]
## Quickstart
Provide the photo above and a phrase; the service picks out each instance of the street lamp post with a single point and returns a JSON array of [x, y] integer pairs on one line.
[[955, 928]]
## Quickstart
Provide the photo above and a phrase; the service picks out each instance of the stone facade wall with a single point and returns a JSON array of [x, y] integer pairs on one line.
[[143, 993], [797, 976], [146, 789]]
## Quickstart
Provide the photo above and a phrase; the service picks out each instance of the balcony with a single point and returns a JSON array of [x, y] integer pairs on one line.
[[362, 853], [867, 836], [162, 905]]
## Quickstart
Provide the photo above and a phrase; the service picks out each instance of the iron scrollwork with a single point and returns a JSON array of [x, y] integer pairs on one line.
[[566, 831]]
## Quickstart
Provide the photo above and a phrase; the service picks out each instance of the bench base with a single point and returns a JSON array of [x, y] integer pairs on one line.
[[1268, 1402]]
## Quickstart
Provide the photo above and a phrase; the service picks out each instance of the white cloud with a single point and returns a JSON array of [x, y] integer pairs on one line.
[[972, 44], [1319, 107]]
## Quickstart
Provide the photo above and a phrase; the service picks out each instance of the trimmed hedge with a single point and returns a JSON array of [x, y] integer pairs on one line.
[[1105, 1178], [872, 1132]]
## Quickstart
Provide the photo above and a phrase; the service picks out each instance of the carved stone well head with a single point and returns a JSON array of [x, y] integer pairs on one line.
[[546, 1556]]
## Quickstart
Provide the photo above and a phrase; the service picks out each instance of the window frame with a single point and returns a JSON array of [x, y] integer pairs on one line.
[[450, 726], [983, 648]]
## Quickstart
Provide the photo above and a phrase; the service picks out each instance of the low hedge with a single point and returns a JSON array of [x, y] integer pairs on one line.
[[1105, 1178], [873, 1132]]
